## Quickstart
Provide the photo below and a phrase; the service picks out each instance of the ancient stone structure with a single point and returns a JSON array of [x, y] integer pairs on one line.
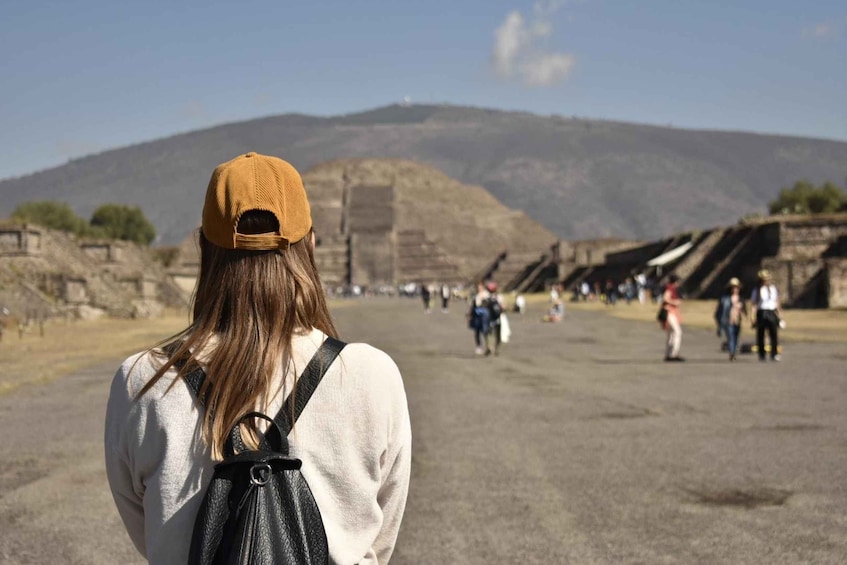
[[807, 264], [577, 260], [836, 281], [74, 290], [19, 239], [105, 251], [806, 255], [387, 222], [56, 274]]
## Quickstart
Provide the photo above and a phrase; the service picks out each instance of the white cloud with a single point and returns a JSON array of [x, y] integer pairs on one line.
[[547, 69], [544, 8], [822, 30], [510, 39], [517, 54]]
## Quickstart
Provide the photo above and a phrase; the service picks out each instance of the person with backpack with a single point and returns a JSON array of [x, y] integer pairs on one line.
[[766, 305], [494, 303], [254, 435], [479, 319]]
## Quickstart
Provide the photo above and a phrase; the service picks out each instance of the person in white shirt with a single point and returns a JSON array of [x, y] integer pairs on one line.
[[259, 314], [765, 301]]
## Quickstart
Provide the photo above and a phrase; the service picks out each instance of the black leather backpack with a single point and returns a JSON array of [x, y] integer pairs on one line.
[[258, 509]]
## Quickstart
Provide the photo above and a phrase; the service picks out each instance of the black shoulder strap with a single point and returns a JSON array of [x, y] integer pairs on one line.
[[194, 378], [305, 387], [307, 383]]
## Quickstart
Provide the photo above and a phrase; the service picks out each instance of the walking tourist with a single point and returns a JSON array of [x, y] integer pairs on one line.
[[479, 319], [497, 316], [732, 312], [671, 303], [259, 316], [445, 297], [765, 301], [426, 296]]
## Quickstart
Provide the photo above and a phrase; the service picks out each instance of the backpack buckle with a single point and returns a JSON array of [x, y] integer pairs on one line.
[[260, 474]]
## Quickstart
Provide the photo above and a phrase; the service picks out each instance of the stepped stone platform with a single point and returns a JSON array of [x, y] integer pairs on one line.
[[806, 255], [46, 273]]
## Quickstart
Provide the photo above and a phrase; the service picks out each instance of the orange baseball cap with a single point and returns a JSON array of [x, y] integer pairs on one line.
[[255, 182]]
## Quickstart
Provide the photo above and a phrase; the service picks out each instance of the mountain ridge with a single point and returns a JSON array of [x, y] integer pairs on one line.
[[579, 177]]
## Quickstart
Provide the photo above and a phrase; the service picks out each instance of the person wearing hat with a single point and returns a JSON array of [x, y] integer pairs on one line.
[[765, 301], [259, 316], [735, 310]]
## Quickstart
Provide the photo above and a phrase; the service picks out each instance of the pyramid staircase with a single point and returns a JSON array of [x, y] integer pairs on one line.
[[421, 260], [703, 245], [712, 268]]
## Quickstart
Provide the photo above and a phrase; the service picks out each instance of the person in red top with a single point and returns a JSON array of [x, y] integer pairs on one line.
[[671, 303]]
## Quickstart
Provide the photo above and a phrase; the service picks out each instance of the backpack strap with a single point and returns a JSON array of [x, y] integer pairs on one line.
[[194, 378], [307, 383], [294, 404]]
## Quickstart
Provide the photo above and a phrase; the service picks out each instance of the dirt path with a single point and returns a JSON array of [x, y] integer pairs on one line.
[[577, 445]]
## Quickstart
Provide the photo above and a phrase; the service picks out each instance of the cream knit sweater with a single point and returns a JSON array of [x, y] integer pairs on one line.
[[354, 439]]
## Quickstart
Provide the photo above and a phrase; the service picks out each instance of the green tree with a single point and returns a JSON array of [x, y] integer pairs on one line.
[[51, 214], [805, 198], [123, 222], [827, 199]]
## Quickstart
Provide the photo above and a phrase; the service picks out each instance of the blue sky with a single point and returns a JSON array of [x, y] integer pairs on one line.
[[84, 76]]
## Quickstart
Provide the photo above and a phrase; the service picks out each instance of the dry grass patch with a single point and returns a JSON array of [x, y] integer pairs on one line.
[[69, 346]]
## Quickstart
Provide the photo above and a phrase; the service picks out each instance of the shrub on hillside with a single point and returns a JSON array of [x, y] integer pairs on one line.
[[805, 198], [113, 221], [53, 215], [123, 222]]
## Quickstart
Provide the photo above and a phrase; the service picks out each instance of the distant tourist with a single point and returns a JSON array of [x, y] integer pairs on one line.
[[672, 323], [731, 310], [765, 301], [445, 297], [629, 290], [641, 282], [426, 296], [484, 317], [721, 317], [500, 329], [479, 318], [520, 304], [556, 312], [554, 294], [584, 291]]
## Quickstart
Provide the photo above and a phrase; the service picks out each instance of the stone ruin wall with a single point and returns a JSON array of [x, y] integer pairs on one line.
[[55, 274], [590, 253], [806, 265], [837, 282], [809, 240], [19, 240]]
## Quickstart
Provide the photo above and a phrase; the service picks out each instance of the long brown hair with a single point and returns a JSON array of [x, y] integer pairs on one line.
[[247, 307]]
